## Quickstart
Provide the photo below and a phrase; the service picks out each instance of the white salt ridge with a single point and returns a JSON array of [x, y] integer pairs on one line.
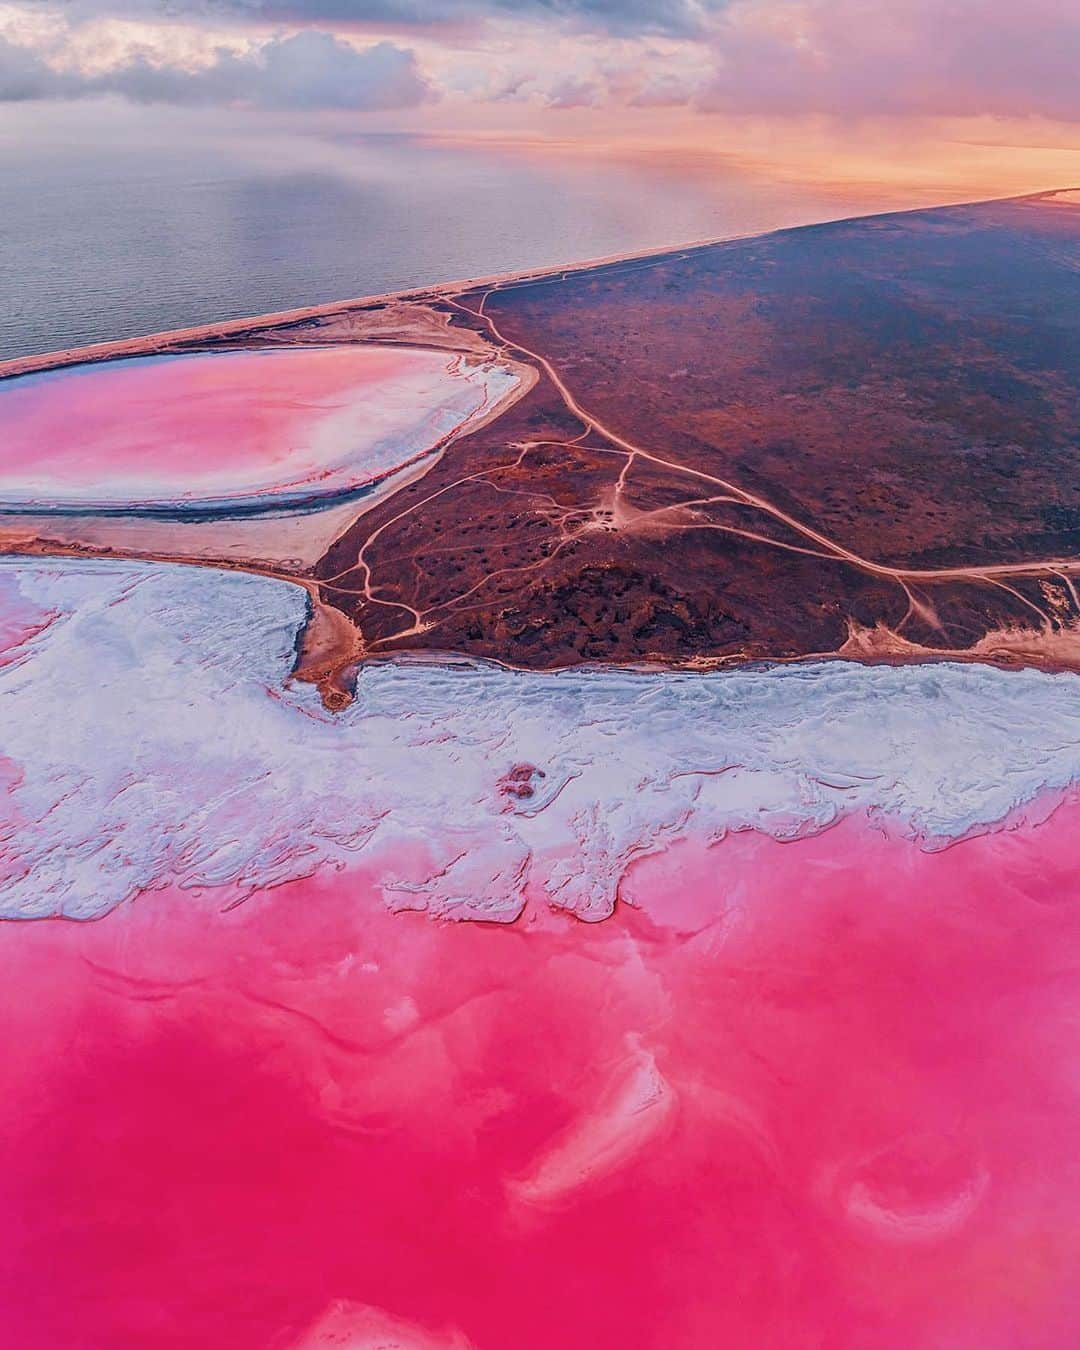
[[159, 741]]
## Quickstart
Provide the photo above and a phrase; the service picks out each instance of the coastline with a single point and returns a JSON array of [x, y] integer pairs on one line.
[[263, 325]]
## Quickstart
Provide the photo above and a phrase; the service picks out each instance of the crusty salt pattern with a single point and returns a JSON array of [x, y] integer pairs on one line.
[[150, 736]]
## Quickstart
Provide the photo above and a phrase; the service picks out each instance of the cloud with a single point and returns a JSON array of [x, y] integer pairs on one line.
[[515, 86], [573, 93], [25, 75], [633, 17], [665, 91], [306, 70], [855, 58], [844, 59]]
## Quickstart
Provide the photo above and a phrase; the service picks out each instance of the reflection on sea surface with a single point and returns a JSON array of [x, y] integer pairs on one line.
[[189, 234]]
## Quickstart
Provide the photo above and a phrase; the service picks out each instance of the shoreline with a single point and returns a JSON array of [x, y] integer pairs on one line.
[[261, 324], [292, 500]]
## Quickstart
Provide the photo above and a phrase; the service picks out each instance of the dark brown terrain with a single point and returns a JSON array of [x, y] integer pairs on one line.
[[858, 438], [862, 435]]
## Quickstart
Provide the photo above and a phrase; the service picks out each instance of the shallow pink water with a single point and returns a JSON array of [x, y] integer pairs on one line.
[[20, 618], [815, 1094], [225, 423]]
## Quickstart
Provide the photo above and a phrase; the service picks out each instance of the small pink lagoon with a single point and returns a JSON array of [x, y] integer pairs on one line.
[[236, 427]]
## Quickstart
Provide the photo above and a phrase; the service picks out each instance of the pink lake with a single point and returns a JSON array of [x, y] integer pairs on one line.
[[830, 1100], [807, 1076], [298, 421]]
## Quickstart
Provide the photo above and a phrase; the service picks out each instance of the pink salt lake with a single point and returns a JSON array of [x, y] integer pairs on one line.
[[237, 426]]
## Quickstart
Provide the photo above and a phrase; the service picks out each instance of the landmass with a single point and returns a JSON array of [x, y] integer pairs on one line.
[[855, 438]]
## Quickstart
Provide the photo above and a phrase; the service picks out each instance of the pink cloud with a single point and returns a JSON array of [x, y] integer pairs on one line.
[[855, 57], [574, 93], [664, 91]]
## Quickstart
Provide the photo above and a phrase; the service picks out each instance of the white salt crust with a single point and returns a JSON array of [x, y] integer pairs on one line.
[[154, 738]]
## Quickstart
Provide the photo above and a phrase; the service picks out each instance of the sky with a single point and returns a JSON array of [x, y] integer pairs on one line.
[[956, 95]]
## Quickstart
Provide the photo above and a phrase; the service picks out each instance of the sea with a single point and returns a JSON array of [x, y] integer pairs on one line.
[[135, 238]]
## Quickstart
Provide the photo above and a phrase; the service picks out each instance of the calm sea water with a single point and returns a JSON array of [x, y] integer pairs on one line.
[[130, 240]]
